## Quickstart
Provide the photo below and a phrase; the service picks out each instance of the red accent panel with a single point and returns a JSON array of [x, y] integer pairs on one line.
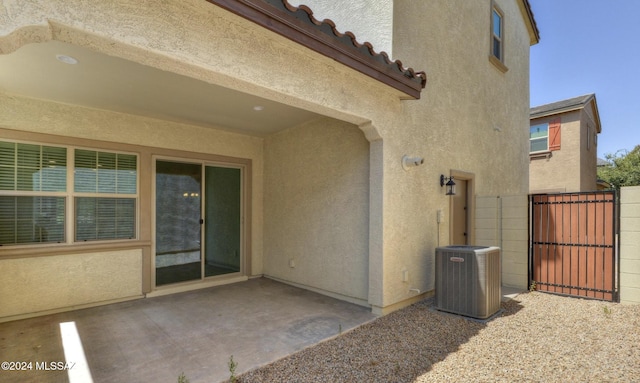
[[554, 134]]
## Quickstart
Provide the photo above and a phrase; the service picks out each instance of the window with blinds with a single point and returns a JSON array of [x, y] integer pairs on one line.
[[34, 198], [33, 182], [105, 203]]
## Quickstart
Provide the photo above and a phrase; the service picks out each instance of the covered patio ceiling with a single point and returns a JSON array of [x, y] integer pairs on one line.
[[71, 74]]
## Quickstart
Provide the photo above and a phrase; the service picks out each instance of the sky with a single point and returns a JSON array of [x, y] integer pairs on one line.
[[591, 46]]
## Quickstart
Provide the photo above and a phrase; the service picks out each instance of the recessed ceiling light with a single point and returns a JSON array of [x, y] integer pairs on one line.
[[66, 59], [258, 108]]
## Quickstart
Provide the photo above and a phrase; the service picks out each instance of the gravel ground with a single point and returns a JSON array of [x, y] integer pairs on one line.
[[537, 338]]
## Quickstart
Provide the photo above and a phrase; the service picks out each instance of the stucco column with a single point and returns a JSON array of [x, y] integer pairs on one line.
[[376, 225]]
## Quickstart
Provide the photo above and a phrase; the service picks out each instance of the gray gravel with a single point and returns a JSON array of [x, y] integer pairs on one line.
[[537, 338]]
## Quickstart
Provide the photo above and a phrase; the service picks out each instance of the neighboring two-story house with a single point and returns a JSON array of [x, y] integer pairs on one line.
[[153, 147], [563, 140]]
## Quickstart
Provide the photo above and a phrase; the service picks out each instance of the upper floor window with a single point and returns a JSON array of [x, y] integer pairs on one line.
[[539, 138], [49, 194], [496, 55], [545, 137], [497, 46]]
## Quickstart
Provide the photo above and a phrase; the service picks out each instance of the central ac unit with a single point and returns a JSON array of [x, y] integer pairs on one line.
[[468, 280]]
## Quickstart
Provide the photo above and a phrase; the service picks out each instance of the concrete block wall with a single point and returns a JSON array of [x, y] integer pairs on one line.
[[630, 245], [487, 220], [503, 222], [514, 243]]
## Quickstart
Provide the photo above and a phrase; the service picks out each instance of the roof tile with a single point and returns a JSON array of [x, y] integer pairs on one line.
[[349, 40], [558, 106]]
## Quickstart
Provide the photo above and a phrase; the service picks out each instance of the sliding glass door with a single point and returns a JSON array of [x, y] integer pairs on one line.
[[178, 214], [198, 212], [222, 220]]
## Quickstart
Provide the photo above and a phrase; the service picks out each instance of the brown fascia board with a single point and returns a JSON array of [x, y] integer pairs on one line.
[[532, 26], [299, 25], [596, 113]]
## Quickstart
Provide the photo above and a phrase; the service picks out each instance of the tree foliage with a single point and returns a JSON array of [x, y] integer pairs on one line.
[[623, 168]]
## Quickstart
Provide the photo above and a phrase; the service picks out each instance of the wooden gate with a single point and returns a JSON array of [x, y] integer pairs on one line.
[[572, 245]]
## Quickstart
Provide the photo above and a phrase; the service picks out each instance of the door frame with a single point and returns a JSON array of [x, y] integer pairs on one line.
[[471, 202], [245, 166]]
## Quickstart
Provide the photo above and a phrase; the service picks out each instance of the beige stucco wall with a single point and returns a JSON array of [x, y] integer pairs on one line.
[[44, 284], [589, 150], [39, 116], [373, 24], [155, 36], [469, 110], [472, 117], [629, 245], [573, 167], [98, 126], [559, 172], [187, 37], [317, 208]]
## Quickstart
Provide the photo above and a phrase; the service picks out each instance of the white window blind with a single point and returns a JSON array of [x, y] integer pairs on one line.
[[27, 167], [101, 172], [31, 179], [31, 220], [106, 185], [105, 218], [34, 195]]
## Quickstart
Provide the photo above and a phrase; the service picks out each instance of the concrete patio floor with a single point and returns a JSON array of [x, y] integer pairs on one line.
[[157, 339]]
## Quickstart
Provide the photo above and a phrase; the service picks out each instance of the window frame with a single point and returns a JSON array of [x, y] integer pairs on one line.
[[16, 193], [102, 196], [538, 138], [498, 61], [70, 196]]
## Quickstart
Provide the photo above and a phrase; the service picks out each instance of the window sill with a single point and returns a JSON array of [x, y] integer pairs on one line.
[[498, 64], [539, 155], [30, 251]]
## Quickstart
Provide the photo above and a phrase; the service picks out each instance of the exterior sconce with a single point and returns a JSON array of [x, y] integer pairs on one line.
[[448, 182], [410, 162]]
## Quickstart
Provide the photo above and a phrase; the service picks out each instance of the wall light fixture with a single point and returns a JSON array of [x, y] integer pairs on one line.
[[449, 183]]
